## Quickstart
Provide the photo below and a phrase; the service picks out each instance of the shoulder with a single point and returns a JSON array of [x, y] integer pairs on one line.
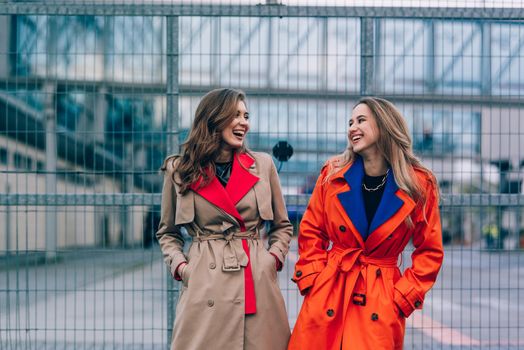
[[333, 165], [170, 164], [261, 156], [427, 181], [262, 159], [335, 161], [425, 177]]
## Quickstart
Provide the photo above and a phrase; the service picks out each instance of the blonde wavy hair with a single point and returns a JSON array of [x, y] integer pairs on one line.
[[395, 144]]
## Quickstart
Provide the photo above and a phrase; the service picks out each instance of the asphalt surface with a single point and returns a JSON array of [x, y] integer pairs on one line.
[[116, 299]]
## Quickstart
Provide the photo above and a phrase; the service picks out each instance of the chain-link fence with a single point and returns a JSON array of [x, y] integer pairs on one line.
[[94, 94]]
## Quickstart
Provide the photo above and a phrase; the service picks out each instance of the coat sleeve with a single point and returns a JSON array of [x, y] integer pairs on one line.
[[281, 229], [313, 241], [168, 234], [426, 259]]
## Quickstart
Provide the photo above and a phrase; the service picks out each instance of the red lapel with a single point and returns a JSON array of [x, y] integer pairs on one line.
[[241, 180]]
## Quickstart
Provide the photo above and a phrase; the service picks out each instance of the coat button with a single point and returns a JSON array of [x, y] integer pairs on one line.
[[212, 266], [298, 273], [374, 316], [210, 303], [342, 228], [378, 273], [330, 312], [418, 303]]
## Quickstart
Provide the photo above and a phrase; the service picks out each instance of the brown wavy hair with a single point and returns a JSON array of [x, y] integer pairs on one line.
[[214, 113]]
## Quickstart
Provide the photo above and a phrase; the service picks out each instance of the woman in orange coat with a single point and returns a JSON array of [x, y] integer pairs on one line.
[[367, 204]]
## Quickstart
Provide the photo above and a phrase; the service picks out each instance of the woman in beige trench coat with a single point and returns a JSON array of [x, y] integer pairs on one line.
[[223, 195]]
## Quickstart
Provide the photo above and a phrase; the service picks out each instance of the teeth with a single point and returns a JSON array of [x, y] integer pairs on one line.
[[356, 138], [238, 133]]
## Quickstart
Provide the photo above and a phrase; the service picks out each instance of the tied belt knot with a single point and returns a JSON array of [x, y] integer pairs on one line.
[[349, 258], [354, 259], [234, 256]]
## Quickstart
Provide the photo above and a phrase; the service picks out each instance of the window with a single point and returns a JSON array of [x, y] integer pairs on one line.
[[23, 162], [4, 156]]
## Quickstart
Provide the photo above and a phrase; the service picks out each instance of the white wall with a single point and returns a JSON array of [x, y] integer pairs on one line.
[[77, 226]]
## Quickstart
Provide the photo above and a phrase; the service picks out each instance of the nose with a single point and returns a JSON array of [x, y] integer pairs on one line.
[[244, 122]]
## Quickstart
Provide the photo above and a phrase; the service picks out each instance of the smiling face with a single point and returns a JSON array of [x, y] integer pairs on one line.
[[234, 135], [363, 132]]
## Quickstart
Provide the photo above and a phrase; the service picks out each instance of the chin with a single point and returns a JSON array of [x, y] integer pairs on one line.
[[356, 149], [236, 146]]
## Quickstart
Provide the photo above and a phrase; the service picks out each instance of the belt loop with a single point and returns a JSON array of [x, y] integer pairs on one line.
[[198, 232], [230, 257]]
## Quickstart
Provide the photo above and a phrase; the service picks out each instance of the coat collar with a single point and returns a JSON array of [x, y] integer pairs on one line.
[[239, 184], [241, 180], [394, 206]]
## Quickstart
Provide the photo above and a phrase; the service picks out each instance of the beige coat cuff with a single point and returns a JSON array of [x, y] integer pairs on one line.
[[175, 261], [278, 253]]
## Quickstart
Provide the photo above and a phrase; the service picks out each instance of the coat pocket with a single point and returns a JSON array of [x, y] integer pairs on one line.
[[263, 196], [270, 263], [389, 286]]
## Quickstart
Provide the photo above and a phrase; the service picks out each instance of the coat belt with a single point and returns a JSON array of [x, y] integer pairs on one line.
[[234, 256], [355, 259], [352, 257]]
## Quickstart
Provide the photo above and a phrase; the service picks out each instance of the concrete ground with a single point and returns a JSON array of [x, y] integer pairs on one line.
[[116, 299]]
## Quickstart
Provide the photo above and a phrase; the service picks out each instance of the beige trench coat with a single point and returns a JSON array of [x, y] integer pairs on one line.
[[211, 310]]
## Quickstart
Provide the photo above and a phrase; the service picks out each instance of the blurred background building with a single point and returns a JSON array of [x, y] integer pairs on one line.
[[95, 94]]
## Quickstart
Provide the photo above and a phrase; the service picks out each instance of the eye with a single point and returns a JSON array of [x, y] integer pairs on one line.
[[246, 116]]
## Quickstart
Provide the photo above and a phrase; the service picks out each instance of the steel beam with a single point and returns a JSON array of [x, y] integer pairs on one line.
[[192, 90], [150, 199], [367, 56], [173, 90], [485, 59], [50, 167], [123, 8], [430, 74], [172, 60]]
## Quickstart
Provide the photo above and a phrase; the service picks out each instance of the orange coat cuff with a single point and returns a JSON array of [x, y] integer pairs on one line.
[[305, 275], [407, 298]]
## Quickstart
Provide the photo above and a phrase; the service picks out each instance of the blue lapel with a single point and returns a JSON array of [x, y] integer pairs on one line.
[[389, 204], [353, 201]]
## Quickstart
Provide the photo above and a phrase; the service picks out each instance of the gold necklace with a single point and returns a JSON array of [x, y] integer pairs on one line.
[[378, 186]]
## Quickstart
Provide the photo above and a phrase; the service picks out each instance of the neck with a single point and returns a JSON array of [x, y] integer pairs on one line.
[[226, 155], [375, 165]]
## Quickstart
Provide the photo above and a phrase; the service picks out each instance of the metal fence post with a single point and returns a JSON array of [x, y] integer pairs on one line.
[[172, 120], [50, 167], [367, 39]]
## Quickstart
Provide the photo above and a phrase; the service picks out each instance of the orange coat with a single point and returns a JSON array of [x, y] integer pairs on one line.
[[355, 295]]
